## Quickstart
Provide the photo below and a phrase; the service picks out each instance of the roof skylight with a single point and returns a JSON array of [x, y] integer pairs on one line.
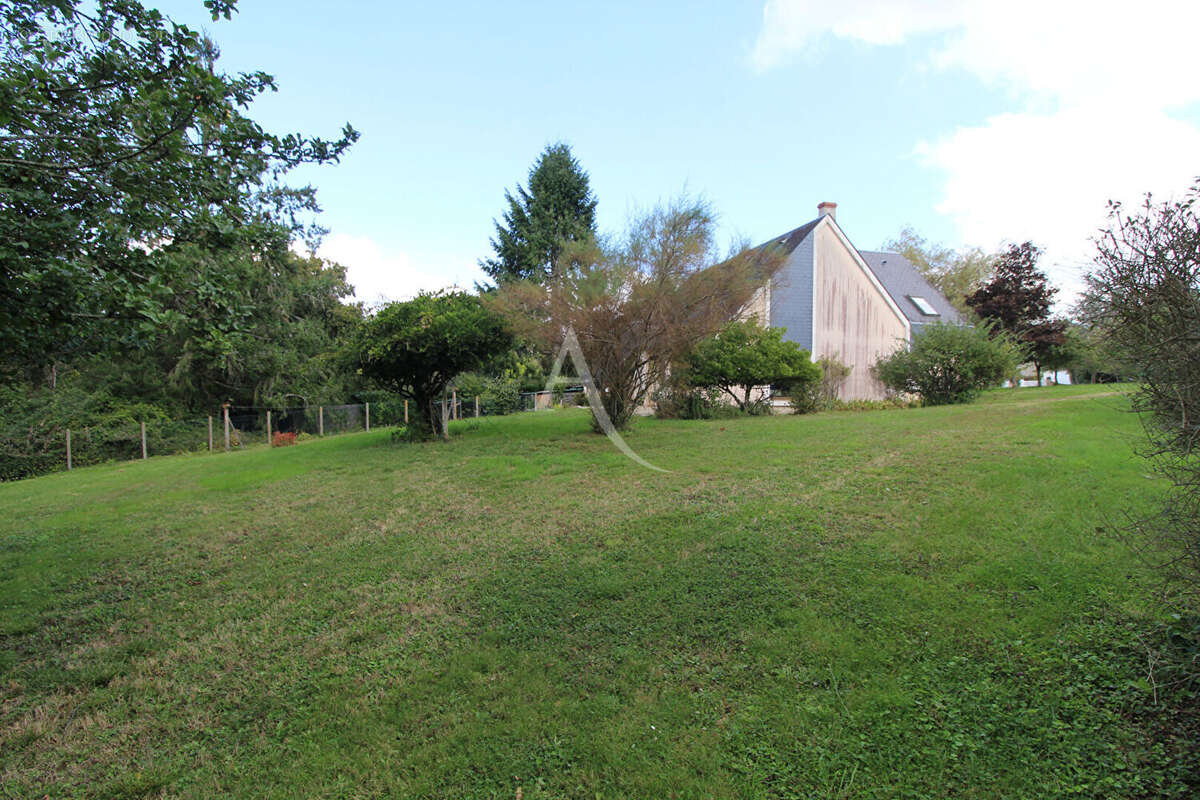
[[924, 306]]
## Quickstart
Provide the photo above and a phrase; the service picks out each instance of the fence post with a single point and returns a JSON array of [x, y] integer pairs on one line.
[[210, 433], [405, 412], [320, 420], [454, 402], [477, 405], [368, 417], [225, 407], [268, 426], [68, 448], [143, 441]]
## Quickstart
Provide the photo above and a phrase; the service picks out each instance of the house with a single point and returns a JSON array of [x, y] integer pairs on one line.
[[838, 301]]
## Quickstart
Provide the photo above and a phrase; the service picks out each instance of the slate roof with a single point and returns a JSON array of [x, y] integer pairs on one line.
[[790, 240], [899, 277], [902, 280]]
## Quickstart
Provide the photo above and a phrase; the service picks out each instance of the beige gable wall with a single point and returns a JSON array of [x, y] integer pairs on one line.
[[759, 307], [852, 319]]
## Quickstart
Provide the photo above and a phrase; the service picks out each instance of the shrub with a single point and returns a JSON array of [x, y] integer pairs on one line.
[[949, 363], [281, 439], [34, 421], [501, 396], [887, 404], [821, 394], [1145, 293], [680, 400], [497, 395]]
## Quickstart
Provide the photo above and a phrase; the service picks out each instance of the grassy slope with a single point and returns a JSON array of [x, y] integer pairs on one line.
[[901, 603]]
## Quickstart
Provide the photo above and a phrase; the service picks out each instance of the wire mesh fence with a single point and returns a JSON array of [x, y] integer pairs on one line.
[[37, 449], [539, 401]]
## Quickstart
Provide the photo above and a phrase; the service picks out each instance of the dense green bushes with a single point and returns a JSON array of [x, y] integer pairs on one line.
[[497, 395], [949, 364], [820, 394], [103, 428]]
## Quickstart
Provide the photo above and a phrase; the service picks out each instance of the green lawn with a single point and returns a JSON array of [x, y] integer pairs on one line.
[[905, 603]]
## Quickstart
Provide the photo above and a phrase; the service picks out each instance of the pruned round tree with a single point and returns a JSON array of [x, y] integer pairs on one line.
[[416, 347], [743, 356]]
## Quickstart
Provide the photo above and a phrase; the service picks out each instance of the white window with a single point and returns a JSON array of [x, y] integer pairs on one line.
[[924, 306]]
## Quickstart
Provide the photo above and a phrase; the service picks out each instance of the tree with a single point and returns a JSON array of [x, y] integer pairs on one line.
[[949, 363], [954, 273], [119, 138], [1017, 300], [743, 355], [1070, 354], [557, 209], [1098, 359], [639, 305], [274, 340], [416, 348], [1145, 293]]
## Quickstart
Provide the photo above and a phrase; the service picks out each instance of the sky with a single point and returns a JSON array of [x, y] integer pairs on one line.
[[974, 122]]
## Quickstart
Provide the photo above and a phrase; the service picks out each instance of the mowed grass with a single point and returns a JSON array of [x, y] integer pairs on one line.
[[913, 603]]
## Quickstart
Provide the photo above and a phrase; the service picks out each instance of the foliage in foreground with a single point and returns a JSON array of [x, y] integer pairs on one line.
[[742, 356], [116, 127], [1146, 292], [416, 348], [949, 364]]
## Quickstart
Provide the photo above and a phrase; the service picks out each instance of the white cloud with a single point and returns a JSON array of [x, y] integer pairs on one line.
[[1047, 177], [1093, 82], [1095, 49], [380, 275]]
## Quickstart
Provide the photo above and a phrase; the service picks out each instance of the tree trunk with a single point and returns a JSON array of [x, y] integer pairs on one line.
[[426, 422]]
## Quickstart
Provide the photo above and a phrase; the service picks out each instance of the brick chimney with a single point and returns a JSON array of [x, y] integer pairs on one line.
[[827, 208]]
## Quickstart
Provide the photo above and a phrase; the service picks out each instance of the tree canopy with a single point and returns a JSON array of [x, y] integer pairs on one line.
[[954, 273], [557, 209], [744, 355], [1017, 300], [120, 141], [415, 348]]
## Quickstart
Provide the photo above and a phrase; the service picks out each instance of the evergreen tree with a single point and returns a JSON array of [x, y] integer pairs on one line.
[[557, 208]]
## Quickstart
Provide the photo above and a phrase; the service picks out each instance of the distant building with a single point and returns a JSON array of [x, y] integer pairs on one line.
[[853, 305]]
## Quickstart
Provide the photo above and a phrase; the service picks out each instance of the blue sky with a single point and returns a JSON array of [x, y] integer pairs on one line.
[[973, 122]]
